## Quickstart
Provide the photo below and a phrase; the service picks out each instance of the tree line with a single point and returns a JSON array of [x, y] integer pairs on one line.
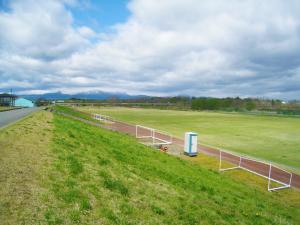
[[196, 103], [224, 104]]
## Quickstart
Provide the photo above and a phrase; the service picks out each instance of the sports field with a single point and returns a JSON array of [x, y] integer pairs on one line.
[[56, 170], [273, 138]]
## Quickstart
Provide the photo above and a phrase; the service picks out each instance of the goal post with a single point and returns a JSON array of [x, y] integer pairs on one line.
[[102, 117], [156, 137], [282, 177], [162, 137], [273, 174], [143, 132], [236, 161]]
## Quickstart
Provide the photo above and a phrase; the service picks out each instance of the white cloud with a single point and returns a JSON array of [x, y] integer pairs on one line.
[[39, 30], [86, 32], [207, 47]]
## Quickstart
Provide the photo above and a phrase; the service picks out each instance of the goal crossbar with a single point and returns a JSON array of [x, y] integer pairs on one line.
[[229, 168], [284, 185], [269, 177], [157, 137], [102, 117]]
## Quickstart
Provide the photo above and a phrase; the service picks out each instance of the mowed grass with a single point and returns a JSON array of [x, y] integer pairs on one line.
[[62, 171], [73, 112], [4, 108], [271, 138], [24, 159]]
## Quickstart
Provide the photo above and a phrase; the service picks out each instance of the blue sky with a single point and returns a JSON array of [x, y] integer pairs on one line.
[[100, 15], [170, 47]]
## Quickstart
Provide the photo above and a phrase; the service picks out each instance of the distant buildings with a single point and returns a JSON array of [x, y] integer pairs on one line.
[[22, 102], [7, 99], [13, 100]]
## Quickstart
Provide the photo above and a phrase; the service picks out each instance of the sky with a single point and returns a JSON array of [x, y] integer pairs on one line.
[[216, 48]]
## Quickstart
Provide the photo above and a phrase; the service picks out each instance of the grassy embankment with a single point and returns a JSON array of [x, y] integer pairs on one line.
[[25, 157], [73, 112], [267, 137], [61, 171], [5, 108]]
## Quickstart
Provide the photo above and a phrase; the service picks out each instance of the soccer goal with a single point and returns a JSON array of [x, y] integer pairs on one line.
[[282, 178], [152, 136], [102, 118], [277, 177], [232, 161]]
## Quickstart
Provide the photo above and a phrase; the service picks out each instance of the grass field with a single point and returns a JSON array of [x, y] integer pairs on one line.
[[24, 159], [267, 137], [4, 108], [61, 171]]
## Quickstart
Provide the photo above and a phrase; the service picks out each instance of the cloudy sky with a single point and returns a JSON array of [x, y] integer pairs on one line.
[[155, 47]]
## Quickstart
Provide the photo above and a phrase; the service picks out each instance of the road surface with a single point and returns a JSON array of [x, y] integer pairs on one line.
[[8, 117]]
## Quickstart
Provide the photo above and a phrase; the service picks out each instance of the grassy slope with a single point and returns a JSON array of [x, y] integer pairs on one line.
[[4, 108], [88, 175], [74, 112], [24, 153], [107, 177], [267, 137]]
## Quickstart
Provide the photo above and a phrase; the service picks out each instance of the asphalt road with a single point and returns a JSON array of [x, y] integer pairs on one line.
[[8, 117]]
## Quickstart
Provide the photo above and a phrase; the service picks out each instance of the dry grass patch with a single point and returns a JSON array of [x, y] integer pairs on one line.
[[24, 152]]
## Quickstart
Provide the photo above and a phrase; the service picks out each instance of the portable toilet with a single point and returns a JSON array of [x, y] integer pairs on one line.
[[190, 143]]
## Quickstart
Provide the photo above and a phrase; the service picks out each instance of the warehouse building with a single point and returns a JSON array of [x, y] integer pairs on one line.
[[22, 102], [13, 100], [7, 99]]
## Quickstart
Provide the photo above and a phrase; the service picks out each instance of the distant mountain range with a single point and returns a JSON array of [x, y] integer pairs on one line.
[[86, 95]]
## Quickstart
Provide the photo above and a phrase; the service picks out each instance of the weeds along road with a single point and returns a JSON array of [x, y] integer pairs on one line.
[[8, 117]]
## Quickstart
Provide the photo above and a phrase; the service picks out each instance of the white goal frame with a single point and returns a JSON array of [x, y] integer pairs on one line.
[[269, 177], [101, 117], [153, 135]]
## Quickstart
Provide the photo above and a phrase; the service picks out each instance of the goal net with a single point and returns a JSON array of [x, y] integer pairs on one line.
[[277, 178], [102, 118], [152, 136]]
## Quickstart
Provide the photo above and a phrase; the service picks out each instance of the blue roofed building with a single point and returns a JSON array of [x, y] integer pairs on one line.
[[22, 102]]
